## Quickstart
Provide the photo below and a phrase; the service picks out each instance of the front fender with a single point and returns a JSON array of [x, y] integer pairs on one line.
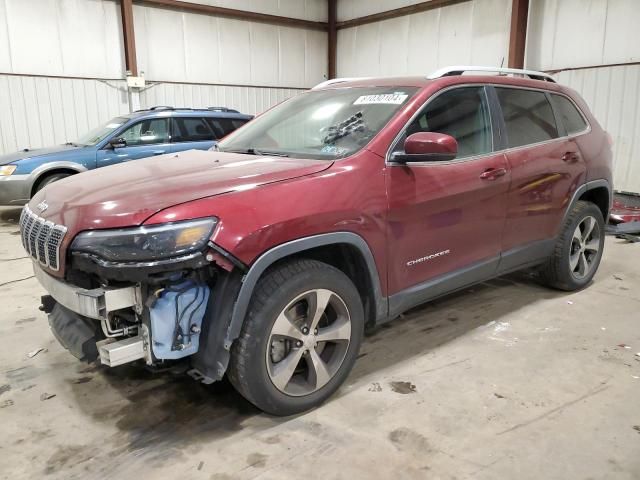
[[43, 169]]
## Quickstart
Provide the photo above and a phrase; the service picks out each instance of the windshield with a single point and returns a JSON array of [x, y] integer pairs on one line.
[[96, 135], [322, 124]]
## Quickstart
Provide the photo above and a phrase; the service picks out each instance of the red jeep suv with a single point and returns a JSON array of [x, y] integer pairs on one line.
[[338, 209]]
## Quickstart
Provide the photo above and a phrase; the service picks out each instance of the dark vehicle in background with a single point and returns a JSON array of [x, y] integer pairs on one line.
[[338, 209], [141, 134]]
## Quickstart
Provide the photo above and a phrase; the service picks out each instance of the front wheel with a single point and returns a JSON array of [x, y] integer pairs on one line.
[[300, 338], [49, 179], [578, 249]]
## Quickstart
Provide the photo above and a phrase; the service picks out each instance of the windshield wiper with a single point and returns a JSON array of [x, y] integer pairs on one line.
[[254, 151]]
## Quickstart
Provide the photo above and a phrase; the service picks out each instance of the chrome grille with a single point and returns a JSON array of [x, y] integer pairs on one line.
[[42, 239]]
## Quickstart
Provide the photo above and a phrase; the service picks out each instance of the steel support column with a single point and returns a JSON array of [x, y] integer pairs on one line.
[[518, 33]]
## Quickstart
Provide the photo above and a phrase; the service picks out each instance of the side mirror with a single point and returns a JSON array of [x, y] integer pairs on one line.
[[427, 147], [117, 142]]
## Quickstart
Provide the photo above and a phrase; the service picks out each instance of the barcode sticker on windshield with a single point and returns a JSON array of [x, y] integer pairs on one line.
[[388, 98]]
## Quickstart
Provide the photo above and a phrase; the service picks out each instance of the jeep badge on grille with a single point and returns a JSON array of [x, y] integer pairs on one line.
[[42, 206]]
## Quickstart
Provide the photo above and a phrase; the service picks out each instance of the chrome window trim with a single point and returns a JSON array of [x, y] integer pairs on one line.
[[392, 145]]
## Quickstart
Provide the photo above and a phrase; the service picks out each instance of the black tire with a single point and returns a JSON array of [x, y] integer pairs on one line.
[[49, 179], [557, 272], [249, 364]]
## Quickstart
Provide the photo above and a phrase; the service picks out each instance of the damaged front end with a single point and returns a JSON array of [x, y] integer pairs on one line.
[[146, 294]]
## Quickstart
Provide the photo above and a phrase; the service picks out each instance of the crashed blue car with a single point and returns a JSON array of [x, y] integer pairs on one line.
[[141, 134]]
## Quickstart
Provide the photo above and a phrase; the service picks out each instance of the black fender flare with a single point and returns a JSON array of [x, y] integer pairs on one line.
[[271, 256], [585, 187]]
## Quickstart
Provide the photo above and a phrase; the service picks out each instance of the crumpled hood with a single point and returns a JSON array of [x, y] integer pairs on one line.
[[127, 194], [35, 152]]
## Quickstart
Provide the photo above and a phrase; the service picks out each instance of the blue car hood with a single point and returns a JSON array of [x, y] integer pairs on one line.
[[36, 152]]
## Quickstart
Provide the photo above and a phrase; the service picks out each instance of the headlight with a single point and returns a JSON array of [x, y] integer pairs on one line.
[[146, 243], [6, 170]]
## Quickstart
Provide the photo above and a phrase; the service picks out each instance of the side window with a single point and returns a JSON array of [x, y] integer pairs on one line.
[[571, 118], [224, 126], [147, 132], [462, 113], [191, 129], [527, 115]]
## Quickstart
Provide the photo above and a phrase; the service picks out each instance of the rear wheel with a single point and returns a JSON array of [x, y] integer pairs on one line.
[[300, 338], [578, 250]]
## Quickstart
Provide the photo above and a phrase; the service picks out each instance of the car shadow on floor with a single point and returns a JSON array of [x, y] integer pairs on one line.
[[161, 414], [9, 216]]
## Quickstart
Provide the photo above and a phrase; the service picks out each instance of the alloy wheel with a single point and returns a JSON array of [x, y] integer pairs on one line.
[[308, 342], [585, 246]]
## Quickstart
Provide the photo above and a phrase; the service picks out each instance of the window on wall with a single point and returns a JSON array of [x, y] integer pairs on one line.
[[147, 132], [462, 113], [191, 129], [528, 116], [570, 116]]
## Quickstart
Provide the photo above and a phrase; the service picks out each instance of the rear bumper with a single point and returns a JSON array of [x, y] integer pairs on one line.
[[15, 190], [95, 303]]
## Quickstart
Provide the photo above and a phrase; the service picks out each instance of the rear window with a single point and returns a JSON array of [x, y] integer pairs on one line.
[[191, 129], [528, 116], [570, 116], [224, 126]]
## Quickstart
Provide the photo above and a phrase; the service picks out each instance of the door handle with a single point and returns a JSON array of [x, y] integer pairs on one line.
[[493, 173], [158, 152], [571, 157]]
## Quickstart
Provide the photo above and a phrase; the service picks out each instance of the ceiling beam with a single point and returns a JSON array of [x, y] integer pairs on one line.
[[332, 38], [130, 58], [235, 14], [518, 33], [398, 12]]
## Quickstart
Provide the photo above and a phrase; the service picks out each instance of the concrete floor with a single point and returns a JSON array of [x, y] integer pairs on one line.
[[506, 380]]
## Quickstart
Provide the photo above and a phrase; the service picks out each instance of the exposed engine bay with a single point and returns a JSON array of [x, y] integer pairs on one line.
[[156, 322]]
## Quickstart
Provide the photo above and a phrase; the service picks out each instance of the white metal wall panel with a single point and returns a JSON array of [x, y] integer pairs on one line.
[[61, 37], [250, 100], [349, 9], [188, 47], [466, 33], [579, 33], [314, 10], [613, 94], [41, 111]]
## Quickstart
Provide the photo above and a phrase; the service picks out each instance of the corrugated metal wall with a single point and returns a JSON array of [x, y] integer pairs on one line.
[[40, 111], [189, 47], [245, 99], [44, 43], [467, 33], [583, 33]]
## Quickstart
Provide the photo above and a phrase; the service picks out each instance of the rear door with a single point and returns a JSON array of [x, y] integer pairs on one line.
[[191, 133], [546, 168], [145, 138], [447, 217]]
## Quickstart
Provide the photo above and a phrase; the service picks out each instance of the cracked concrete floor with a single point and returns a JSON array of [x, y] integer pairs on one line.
[[505, 380]]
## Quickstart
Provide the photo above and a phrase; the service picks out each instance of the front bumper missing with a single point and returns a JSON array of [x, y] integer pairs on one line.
[[96, 303]]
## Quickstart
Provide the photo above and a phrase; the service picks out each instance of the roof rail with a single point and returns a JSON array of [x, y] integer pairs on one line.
[[460, 69], [337, 80], [159, 108], [223, 109]]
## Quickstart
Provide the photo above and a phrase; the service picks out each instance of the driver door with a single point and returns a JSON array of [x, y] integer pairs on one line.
[[145, 138], [446, 218]]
